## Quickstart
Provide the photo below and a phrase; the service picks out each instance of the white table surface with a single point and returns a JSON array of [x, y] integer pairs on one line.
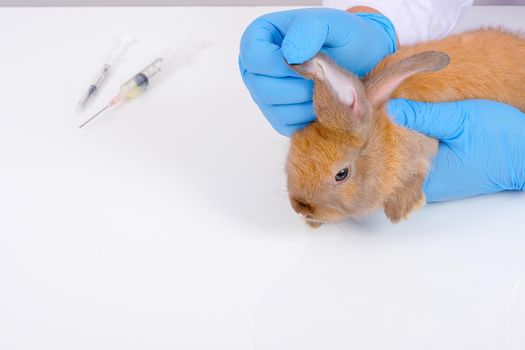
[[166, 224]]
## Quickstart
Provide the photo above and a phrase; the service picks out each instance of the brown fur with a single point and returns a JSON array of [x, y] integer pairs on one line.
[[388, 163], [485, 64]]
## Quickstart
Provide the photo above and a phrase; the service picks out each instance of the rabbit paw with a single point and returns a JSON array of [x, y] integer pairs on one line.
[[406, 199]]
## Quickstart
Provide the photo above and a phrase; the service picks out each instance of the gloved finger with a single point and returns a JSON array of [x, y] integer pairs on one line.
[[279, 91], [260, 50], [242, 68], [281, 115], [437, 186], [330, 28], [270, 117], [304, 39], [289, 130], [441, 120], [292, 114], [286, 118], [451, 177]]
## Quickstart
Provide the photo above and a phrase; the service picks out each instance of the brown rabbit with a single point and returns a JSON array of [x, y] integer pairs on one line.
[[354, 159]]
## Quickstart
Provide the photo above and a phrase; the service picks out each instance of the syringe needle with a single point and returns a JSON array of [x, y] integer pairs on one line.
[[96, 115], [135, 86]]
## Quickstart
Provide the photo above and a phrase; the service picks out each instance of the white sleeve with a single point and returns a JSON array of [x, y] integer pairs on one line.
[[414, 20]]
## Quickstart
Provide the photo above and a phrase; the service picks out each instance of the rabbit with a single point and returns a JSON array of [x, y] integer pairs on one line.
[[353, 159]]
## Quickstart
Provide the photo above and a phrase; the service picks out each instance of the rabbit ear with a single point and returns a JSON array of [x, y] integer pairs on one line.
[[339, 97], [381, 85]]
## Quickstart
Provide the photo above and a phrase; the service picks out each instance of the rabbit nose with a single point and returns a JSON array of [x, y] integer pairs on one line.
[[301, 207]]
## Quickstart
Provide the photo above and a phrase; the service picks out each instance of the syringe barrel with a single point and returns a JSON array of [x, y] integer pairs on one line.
[[153, 68], [135, 86], [132, 88], [115, 55]]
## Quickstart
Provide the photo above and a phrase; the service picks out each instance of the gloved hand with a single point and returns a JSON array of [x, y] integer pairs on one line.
[[481, 149], [357, 42]]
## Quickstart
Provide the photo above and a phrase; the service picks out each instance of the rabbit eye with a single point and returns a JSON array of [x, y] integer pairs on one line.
[[341, 175]]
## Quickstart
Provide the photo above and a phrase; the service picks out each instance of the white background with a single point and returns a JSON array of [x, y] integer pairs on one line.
[[200, 2], [166, 226]]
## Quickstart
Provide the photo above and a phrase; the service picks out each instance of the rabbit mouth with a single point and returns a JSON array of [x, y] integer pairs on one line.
[[313, 223]]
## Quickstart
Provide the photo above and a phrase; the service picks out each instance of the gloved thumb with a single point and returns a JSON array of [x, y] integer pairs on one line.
[[441, 120], [304, 39]]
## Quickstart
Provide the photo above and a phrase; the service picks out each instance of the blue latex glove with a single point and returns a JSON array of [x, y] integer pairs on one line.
[[481, 150], [357, 42]]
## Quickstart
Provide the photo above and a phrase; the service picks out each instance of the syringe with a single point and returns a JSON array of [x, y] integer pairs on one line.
[[111, 61], [135, 86]]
